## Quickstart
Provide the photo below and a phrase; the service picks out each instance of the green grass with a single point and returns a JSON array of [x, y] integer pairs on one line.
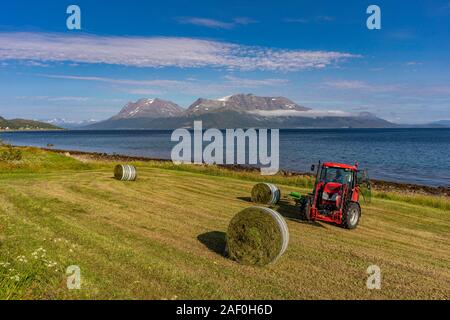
[[303, 181], [440, 202], [160, 237], [39, 161]]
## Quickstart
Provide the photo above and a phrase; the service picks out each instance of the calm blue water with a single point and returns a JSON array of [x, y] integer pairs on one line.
[[419, 156]]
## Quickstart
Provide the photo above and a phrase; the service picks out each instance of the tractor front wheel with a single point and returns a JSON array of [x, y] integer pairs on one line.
[[351, 216]]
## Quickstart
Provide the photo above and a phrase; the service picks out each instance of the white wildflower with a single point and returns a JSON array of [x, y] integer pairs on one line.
[[16, 278], [39, 253], [22, 259], [50, 264]]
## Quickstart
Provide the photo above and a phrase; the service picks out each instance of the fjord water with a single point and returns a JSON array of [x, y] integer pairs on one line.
[[420, 156]]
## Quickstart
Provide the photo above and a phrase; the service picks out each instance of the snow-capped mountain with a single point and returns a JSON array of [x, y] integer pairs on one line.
[[243, 103], [69, 124], [149, 108]]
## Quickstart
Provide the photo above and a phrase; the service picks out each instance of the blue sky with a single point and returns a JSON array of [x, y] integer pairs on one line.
[[319, 54]]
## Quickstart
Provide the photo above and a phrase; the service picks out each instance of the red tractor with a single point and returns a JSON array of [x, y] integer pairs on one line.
[[336, 194]]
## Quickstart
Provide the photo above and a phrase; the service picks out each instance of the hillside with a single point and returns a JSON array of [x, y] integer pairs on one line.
[[161, 238], [22, 124], [444, 123]]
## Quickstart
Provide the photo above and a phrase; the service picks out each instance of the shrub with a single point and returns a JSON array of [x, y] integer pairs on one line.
[[10, 153]]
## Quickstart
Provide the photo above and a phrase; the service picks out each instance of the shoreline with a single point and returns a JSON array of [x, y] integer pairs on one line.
[[378, 185], [191, 129], [31, 130]]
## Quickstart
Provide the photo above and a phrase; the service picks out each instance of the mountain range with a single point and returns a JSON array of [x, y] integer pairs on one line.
[[235, 111], [69, 124], [445, 123]]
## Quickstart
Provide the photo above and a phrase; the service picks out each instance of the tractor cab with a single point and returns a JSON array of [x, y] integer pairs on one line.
[[335, 197], [335, 182]]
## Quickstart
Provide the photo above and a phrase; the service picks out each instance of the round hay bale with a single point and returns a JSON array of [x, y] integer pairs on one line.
[[266, 193], [125, 172], [257, 236]]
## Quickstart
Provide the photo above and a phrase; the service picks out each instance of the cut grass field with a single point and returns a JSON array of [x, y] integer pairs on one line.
[[161, 237]]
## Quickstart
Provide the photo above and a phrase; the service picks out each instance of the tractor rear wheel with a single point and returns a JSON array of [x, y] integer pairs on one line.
[[351, 216], [305, 209]]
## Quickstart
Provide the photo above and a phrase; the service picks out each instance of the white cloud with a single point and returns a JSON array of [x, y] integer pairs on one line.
[[243, 82], [244, 20], [160, 87], [32, 63], [347, 84], [67, 99], [360, 85], [205, 22], [217, 24], [324, 18], [296, 20], [158, 82], [296, 113], [159, 52], [402, 34], [54, 99], [192, 86], [145, 92], [316, 19], [403, 90], [436, 89], [413, 63]]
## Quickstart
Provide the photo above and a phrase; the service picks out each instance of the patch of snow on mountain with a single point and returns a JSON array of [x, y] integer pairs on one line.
[[224, 99]]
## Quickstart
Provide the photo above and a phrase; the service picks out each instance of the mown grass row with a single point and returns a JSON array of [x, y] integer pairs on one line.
[[36, 160], [302, 182]]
